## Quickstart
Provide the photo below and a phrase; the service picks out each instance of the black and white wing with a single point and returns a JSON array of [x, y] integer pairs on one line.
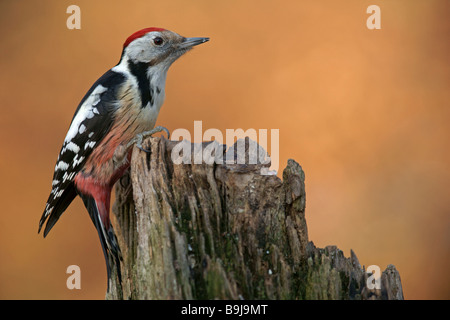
[[91, 122]]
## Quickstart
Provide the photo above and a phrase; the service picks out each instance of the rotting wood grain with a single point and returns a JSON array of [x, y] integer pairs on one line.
[[225, 231]]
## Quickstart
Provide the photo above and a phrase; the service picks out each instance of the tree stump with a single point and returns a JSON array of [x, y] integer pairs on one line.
[[225, 231]]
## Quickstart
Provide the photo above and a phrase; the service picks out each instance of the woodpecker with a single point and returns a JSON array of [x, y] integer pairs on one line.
[[117, 112]]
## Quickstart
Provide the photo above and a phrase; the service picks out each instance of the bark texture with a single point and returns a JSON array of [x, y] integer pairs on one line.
[[225, 231]]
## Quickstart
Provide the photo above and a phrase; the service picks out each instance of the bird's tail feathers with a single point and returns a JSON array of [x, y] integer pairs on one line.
[[108, 239]]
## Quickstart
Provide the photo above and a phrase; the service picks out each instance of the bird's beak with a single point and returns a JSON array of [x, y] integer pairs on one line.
[[190, 42]]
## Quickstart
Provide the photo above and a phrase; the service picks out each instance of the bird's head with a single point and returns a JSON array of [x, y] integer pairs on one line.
[[156, 46]]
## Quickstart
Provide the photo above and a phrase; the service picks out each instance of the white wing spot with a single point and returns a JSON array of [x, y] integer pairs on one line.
[[61, 166], [89, 144], [58, 194], [65, 176], [77, 161], [48, 210], [89, 114], [82, 129], [71, 146], [68, 176]]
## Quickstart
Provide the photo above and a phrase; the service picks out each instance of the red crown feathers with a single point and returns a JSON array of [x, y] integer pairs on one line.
[[139, 34]]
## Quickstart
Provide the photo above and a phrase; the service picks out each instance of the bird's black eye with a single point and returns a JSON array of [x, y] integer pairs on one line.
[[158, 41]]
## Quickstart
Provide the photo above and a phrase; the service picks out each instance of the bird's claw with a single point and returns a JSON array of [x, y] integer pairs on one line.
[[140, 137], [141, 148]]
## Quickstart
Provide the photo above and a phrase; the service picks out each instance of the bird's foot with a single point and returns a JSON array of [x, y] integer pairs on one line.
[[141, 136]]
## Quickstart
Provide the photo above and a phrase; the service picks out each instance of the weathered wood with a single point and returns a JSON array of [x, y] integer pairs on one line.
[[225, 231]]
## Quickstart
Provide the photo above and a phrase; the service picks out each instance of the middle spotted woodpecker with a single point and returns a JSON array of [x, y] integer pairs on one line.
[[117, 112]]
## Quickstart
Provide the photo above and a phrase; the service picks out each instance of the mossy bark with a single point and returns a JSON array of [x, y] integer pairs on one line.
[[225, 231]]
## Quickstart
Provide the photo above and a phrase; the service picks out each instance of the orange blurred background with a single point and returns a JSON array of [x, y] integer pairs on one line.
[[365, 112]]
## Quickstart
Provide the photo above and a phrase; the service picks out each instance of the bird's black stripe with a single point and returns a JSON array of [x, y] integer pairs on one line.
[[139, 70]]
